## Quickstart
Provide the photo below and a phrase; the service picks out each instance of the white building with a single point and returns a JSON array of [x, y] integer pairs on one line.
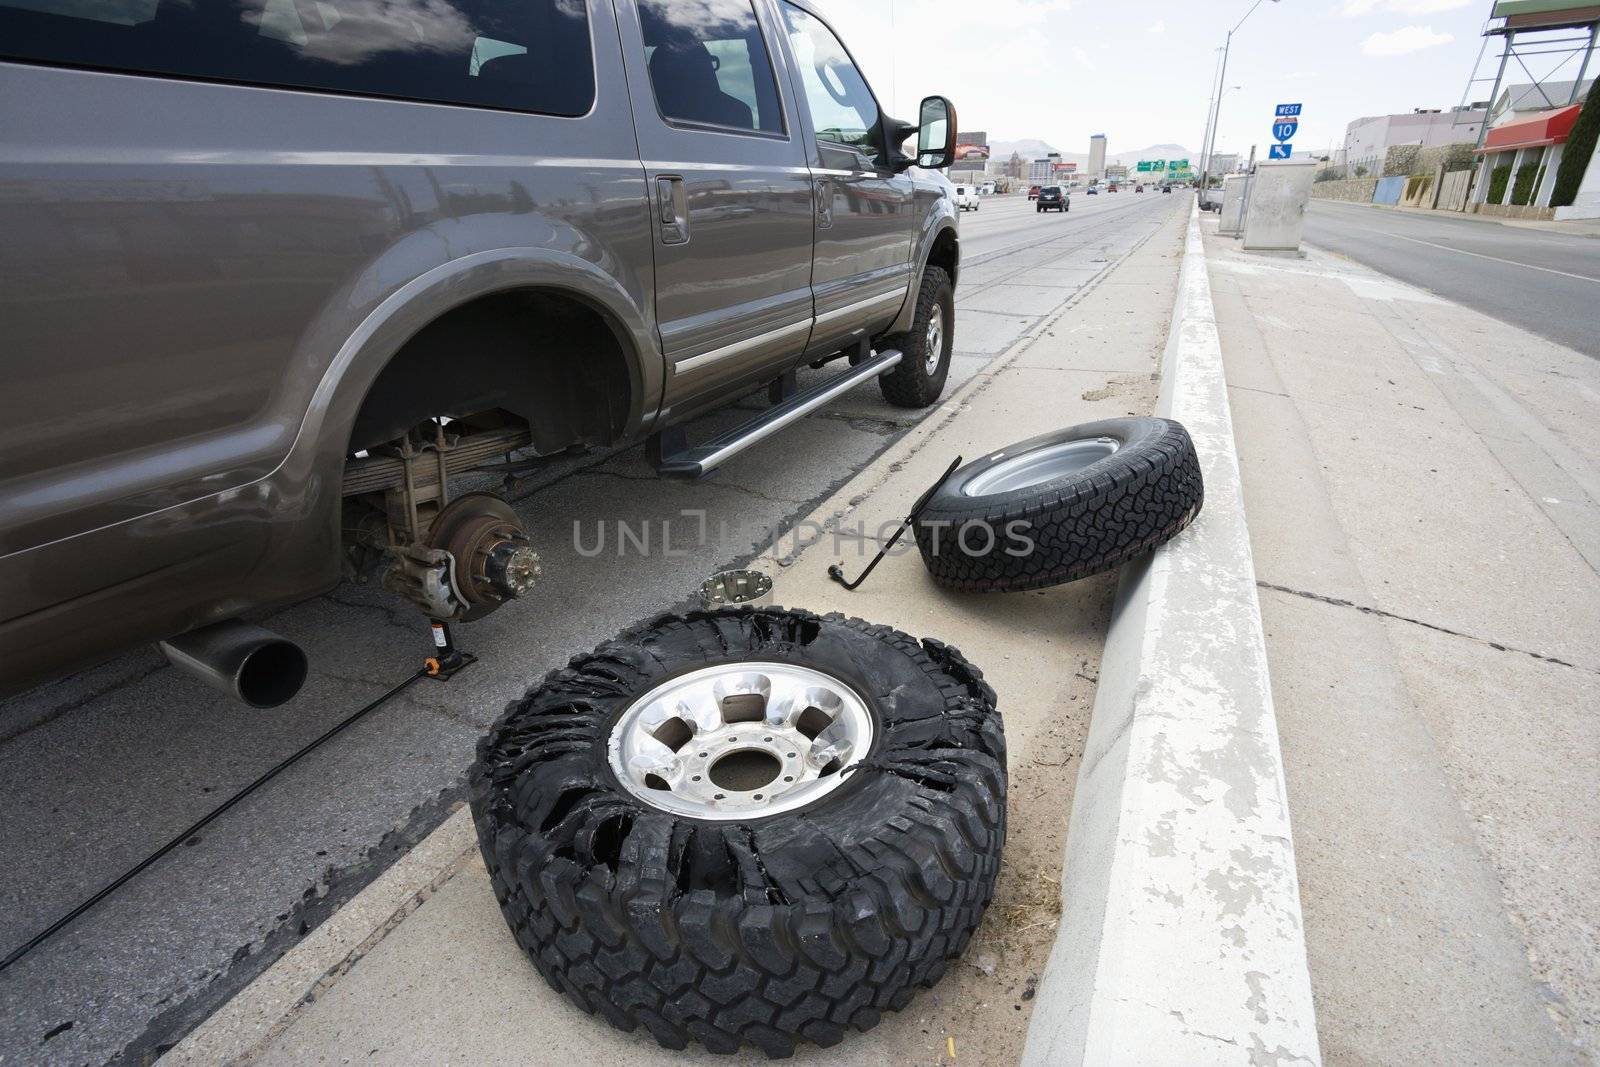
[[1368, 140], [1525, 146], [1097, 157]]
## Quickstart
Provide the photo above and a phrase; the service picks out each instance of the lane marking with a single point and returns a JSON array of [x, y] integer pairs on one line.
[[1479, 255], [1495, 259]]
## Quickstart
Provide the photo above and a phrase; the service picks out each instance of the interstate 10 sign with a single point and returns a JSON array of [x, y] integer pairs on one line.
[[1283, 129]]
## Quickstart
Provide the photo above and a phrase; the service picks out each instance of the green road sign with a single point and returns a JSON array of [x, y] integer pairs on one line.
[[1159, 164], [1144, 165], [1179, 164]]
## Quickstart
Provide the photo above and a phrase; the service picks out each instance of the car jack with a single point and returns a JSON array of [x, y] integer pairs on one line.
[[447, 660], [836, 571]]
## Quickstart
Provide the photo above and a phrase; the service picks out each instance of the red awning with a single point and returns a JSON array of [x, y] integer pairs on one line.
[[1547, 127]]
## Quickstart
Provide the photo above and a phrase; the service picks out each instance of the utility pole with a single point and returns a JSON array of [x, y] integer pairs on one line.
[[1216, 116], [1211, 105]]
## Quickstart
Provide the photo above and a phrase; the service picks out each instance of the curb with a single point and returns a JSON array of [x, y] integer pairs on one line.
[[1181, 934]]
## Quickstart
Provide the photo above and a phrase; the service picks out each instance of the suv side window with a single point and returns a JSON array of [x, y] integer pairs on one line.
[[709, 65], [520, 55], [842, 107]]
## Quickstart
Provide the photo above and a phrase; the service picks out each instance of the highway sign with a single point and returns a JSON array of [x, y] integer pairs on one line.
[[1283, 129], [1280, 151], [1178, 164], [1144, 165], [1286, 110]]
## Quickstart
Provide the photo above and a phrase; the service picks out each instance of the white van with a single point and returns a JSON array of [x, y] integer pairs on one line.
[[967, 197]]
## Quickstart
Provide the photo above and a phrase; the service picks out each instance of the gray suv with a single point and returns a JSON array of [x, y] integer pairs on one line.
[[274, 272]]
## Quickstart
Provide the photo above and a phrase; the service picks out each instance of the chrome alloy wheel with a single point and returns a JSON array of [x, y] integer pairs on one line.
[[740, 740], [933, 343]]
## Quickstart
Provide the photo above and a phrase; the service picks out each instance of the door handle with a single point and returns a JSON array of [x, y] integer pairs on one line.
[[824, 203], [673, 210]]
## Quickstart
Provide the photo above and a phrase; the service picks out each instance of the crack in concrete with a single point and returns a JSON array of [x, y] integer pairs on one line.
[[1365, 609]]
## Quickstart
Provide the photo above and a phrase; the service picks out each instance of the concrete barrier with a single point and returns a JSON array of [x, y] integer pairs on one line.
[[1180, 939]]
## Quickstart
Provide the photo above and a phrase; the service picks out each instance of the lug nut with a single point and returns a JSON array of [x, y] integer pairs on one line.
[[512, 568]]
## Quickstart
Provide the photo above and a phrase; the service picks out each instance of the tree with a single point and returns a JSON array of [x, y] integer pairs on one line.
[[1580, 149]]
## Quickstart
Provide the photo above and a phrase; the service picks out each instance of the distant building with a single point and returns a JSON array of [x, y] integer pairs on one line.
[[1224, 163], [1517, 101], [1043, 171], [1097, 156], [1368, 140], [1116, 172]]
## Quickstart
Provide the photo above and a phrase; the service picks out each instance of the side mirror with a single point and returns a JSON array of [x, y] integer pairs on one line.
[[936, 133]]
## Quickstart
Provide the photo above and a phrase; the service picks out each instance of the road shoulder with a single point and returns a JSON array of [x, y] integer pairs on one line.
[[437, 976]]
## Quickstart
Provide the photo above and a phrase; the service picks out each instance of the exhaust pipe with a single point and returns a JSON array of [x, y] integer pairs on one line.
[[248, 663]]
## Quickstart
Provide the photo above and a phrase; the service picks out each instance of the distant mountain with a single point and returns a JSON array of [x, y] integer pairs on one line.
[[1028, 148], [1032, 148], [1155, 151]]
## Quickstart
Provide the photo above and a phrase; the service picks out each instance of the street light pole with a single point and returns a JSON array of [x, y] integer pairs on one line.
[[1216, 118], [1205, 135]]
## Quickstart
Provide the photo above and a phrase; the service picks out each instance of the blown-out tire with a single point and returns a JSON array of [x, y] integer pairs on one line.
[[766, 929], [1061, 506]]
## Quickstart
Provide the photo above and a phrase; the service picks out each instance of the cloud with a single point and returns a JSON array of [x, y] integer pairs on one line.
[[1160, 26], [1083, 58], [1403, 41], [1356, 8]]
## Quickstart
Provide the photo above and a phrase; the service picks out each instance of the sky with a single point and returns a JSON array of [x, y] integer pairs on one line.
[[1141, 71]]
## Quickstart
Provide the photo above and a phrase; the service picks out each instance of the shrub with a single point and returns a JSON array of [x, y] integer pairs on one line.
[[1522, 188], [1361, 172], [1579, 150], [1497, 183]]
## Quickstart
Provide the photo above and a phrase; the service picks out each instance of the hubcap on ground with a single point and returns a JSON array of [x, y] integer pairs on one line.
[[740, 740], [933, 344], [1039, 465]]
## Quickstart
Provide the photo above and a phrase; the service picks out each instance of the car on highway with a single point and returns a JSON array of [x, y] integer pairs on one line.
[[1033, 192], [275, 274], [1138, 188], [1093, 190], [967, 198], [1053, 198]]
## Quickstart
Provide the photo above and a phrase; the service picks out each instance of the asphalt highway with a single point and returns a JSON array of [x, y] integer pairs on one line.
[[1547, 283]]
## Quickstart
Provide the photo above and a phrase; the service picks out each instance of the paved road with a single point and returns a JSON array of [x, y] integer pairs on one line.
[[98, 770], [1548, 283]]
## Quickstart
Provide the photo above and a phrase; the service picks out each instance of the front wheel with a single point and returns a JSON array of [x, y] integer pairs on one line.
[[918, 379]]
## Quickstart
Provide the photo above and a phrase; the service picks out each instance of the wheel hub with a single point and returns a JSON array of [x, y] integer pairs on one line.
[[933, 344], [740, 740], [1040, 465]]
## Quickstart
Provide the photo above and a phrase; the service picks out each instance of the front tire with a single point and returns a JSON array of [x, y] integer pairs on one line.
[[918, 379], [734, 927]]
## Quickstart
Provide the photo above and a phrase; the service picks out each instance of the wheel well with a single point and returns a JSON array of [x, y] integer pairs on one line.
[[544, 355], [946, 253]]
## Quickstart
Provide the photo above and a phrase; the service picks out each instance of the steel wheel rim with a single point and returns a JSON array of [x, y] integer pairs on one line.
[[1039, 465], [933, 343], [699, 744]]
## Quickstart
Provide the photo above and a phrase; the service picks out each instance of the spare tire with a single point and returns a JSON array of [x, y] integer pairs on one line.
[[1061, 506], [659, 864]]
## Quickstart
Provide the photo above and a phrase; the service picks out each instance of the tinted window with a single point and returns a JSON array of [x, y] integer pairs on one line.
[[527, 55], [842, 107], [709, 65]]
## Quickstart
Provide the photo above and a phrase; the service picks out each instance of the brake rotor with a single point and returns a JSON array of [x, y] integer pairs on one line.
[[494, 560]]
